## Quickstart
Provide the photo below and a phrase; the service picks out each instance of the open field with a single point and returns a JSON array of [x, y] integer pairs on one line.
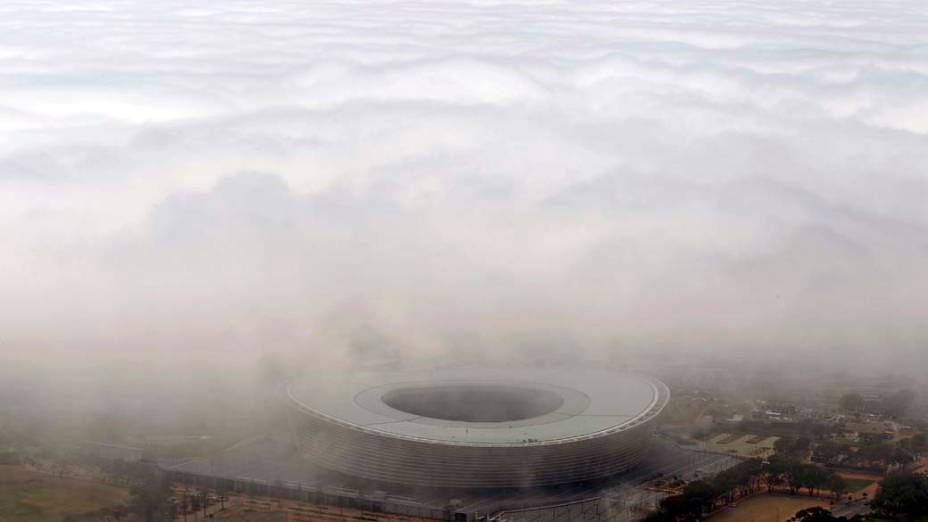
[[857, 484], [29, 496], [767, 508], [740, 444]]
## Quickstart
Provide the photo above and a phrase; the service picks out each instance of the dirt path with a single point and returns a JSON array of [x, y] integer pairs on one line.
[[767, 508]]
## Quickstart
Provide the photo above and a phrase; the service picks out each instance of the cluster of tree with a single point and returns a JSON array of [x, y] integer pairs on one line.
[[794, 448], [833, 453], [888, 454], [698, 497], [805, 428], [197, 499], [902, 495], [116, 513], [749, 477], [149, 495], [916, 444], [796, 476], [896, 405], [194, 501], [125, 472], [744, 479], [878, 454], [9, 457], [818, 514], [855, 403]]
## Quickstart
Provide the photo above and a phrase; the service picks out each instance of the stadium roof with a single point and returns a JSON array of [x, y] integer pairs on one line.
[[592, 402]]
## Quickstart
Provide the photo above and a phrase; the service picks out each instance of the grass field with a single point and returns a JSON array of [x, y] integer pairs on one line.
[[857, 484], [29, 496]]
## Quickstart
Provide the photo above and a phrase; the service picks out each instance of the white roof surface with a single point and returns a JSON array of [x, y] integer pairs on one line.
[[595, 401]]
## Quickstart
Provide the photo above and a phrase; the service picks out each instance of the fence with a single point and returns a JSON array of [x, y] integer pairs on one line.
[[333, 497], [588, 510]]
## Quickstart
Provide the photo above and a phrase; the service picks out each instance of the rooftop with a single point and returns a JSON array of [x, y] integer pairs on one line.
[[483, 407]]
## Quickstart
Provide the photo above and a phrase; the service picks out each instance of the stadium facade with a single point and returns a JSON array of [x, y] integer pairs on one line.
[[476, 428]]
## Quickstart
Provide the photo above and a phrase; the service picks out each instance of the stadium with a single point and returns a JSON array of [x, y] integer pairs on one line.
[[476, 428]]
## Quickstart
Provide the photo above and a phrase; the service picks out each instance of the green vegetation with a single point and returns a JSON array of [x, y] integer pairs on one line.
[[796, 476], [27, 496], [884, 453], [749, 477], [902, 495], [873, 455], [789, 447], [917, 443], [833, 452], [852, 403], [150, 490], [897, 404], [856, 484], [817, 514]]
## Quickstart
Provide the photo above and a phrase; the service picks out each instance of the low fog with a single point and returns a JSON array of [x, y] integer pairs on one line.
[[199, 199]]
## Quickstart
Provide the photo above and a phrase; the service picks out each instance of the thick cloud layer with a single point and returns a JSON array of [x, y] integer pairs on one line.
[[339, 179]]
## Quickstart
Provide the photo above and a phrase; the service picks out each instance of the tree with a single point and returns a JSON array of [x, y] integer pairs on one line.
[[837, 485], [815, 514], [793, 474], [149, 494], [885, 453], [222, 491], [184, 505], [660, 516], [815, 477], [897, 404], [917, 443], [698, 497], [902, 494], [852, 403], [798, 475], [743, 477], [794, 448], [831, 452]]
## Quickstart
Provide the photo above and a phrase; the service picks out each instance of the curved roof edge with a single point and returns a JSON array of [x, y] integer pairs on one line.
[[658, 403]]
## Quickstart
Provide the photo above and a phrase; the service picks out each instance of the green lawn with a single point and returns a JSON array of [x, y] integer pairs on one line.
[[857, 484], [27, 496]]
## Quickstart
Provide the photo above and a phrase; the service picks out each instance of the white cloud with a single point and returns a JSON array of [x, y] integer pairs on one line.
[[726, 174]]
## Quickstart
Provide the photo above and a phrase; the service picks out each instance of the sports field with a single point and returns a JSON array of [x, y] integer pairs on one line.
[[29, 496]]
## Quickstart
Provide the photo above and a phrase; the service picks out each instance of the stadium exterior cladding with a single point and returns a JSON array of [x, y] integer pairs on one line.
[[595, 424]]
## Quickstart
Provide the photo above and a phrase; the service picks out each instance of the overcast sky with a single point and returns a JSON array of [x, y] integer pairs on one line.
[[323, 178]]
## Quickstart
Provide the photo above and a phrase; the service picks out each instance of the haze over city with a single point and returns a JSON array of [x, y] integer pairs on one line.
[[202, 200]]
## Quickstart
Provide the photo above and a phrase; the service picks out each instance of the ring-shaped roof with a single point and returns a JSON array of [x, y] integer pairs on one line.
[[596, 402]]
